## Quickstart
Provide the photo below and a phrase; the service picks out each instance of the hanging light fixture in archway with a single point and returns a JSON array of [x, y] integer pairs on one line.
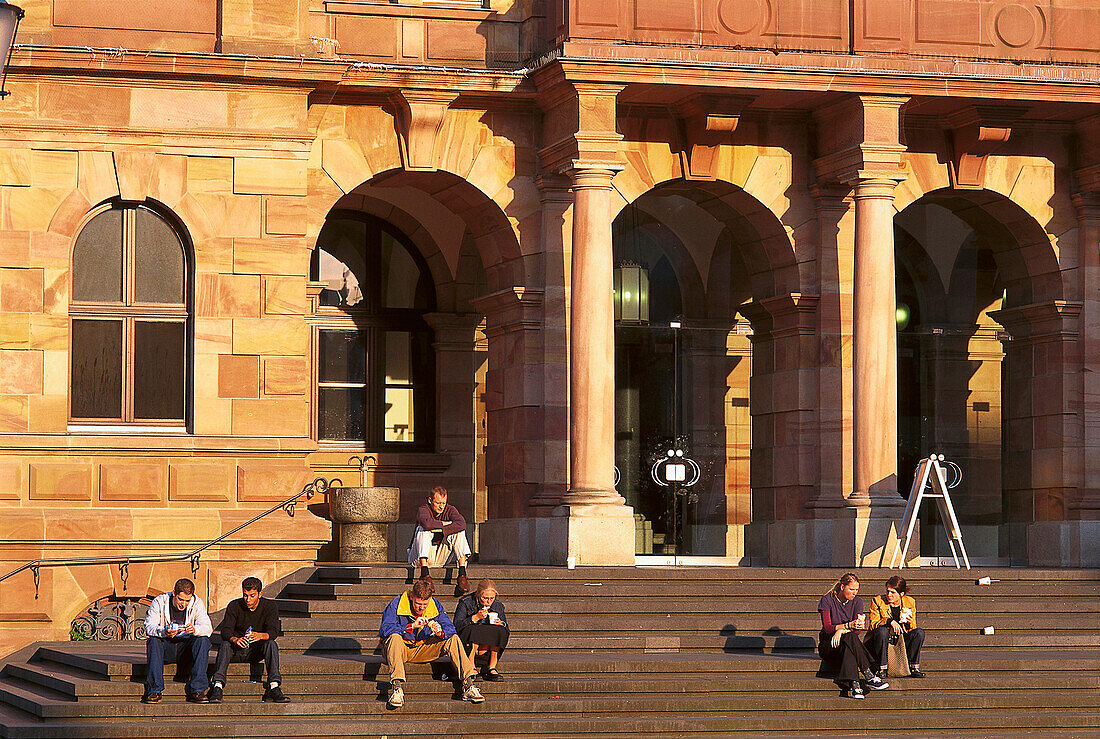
[[631, 293], [10, 15]]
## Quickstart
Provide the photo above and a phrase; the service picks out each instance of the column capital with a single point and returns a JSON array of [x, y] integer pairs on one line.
[[453, 330], [1037, 321], [593, 173], [790, 314], [875, 185]]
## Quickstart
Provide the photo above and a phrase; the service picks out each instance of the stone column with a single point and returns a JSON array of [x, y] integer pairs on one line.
[[1084, 511], [874, 328], [875, 505], [784, 406], [456, 363], [593, 524], [1041, 442]]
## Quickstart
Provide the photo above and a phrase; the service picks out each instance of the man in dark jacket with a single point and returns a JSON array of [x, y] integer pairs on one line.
[[440, 534], [249, 630], [415, 628]]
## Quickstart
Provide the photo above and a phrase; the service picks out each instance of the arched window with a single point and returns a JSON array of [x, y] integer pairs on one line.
[[129, 313], [375, 364]]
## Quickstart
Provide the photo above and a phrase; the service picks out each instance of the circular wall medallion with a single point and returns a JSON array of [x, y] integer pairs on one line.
[[744, 16], [1017, 26]]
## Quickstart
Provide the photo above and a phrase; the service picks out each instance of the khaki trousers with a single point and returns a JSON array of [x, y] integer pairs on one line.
[[397, 652]]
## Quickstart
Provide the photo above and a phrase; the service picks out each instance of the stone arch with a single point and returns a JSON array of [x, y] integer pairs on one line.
[[690, 280], [754, 239], [493, 235]]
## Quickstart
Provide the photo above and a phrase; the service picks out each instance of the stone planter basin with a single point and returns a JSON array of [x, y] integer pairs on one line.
[[362, 516], [363, 505]]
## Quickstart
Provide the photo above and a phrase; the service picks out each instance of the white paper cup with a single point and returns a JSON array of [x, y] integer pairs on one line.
[[571, 562], [984, 581], [988, 631]]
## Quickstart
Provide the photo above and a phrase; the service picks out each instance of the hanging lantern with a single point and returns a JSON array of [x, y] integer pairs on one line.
[[10, 15], [631, 293]]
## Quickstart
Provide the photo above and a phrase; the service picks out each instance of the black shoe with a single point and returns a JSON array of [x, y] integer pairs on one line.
[[913, 672], [214, 695], [462, 587], [275, 695], [492, 675], [856, 691], [151, 698], [199, 697], [883, 674]]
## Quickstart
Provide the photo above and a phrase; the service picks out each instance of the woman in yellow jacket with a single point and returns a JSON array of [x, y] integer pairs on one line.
[[894, 616]]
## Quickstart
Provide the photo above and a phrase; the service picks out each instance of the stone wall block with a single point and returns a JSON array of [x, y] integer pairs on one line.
[[107, 105], [175, 108], [63, 481], [51, 251], [32, 208], [48, 332], [21, 372], [345, 163], [15, 167], [269, 480], [285, 216], [238, 376], [70, 212], [209, 174], [15, 330], [214, 336], [21, 290], [270, 336], [15, 248], [133, 481], [11, 479], [213, 417], [286, 375], [267, 111], [213, 216], [135, 173], [284, 296], [48, 413], [53, 169], [213, 483], [55, 292], [271, 417], [279, 256], [238, 296], [269, 176], [14, 414], [55, 369], [96, 177], [169, 183]]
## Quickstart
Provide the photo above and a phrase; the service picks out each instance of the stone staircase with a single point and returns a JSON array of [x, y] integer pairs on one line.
[[613, 652]]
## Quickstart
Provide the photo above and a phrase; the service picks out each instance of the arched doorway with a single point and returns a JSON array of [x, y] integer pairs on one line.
[[964, 261], [687, 257]]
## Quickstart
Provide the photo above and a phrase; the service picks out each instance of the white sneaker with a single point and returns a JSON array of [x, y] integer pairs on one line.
[[473, 695], [876, 683], [856, 691], [397, 697]]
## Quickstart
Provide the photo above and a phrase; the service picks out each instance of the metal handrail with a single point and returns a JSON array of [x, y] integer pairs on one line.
[[319, 485]]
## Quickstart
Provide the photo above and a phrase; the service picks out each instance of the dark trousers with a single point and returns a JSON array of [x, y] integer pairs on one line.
[[265, 651], [848, 661], [189, 650], [880, 637]]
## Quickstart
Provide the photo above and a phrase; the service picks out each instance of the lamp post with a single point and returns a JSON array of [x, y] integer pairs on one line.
[[10, 15]]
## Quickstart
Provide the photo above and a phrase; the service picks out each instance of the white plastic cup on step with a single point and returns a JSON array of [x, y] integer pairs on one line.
[[571, 562]]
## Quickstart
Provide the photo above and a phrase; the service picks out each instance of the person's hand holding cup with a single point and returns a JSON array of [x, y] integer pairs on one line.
[[436, 628], [858, 622], [906, 615]]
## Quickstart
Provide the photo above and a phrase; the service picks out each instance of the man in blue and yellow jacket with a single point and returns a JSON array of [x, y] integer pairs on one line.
[[415, 628]]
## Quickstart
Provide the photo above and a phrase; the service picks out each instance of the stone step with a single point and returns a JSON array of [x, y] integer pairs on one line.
[[713, 622], [1003, 575], [657, 641], [649, 590], [457, 721], [537, 606]]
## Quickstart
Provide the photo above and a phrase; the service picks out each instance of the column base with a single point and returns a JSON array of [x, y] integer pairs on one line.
[[855, 536], [1063, 544], [592, 534]]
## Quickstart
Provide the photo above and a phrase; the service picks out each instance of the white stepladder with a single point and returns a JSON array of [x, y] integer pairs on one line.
[[930, 472]]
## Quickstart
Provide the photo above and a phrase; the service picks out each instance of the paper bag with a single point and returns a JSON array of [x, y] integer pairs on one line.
[[897, 661]]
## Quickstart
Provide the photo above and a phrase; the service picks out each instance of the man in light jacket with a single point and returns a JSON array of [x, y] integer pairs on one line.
[[177, 628]]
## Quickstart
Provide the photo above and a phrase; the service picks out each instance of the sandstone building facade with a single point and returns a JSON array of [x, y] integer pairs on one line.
[[527, 249]]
